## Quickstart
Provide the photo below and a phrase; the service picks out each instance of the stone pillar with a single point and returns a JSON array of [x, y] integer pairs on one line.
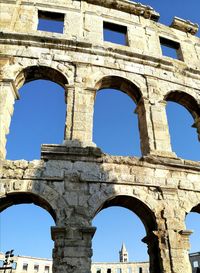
[[158, 263], [79, 122], [174, 242], [161, 129], [179, 250], [153, 126], [146, 132], [168, 251], [197, 126], [69, 100], [8, 94], [72, 249]]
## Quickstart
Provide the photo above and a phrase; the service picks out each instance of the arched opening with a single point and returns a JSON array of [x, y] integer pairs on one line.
[[40, 114], [25, 198], [193, 224], [32, 73], [183, 114], [125, 219], [124, 223], [25, 222], [115, 123]]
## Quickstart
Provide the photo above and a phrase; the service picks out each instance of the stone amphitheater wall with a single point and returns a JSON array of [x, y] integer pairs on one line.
[[75, 180]]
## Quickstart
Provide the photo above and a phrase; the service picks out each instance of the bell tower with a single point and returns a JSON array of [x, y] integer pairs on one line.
[[123, 254]]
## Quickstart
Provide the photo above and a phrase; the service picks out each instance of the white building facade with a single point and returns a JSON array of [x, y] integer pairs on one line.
[[26, 264], [126, 267]]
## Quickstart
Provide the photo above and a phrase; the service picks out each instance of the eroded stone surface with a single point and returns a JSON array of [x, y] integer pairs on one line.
[[74, 181]]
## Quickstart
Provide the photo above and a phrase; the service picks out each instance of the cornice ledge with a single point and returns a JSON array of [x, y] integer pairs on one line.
[[184, 25], [129, 7], [172, 162]]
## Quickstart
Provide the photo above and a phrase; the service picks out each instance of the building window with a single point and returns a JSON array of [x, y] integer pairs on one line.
[[109, 270], [98, 270], [171, 49], [129, 270], [46, 269], [195, 264], [115, 33], [50, 21], [25, 267], [36, 268], [139, 269], [119, 270], [1, 263], [14, 265]]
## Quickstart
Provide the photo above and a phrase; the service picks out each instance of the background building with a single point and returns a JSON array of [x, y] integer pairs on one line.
[[195, 262], [26, 264], [123, 266], [123, 254]]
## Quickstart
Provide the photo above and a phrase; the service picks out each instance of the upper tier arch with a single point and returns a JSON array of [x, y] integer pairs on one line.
[[31, 73], [186, 100], [120, 83], [135, 205]]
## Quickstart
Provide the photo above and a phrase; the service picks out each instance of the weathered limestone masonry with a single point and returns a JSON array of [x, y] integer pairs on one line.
[[74, 181]]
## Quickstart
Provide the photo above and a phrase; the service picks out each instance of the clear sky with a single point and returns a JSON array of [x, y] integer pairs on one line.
[[25, 227]]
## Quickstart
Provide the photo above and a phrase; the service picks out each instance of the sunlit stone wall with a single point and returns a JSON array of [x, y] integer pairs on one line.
[[75, 180]]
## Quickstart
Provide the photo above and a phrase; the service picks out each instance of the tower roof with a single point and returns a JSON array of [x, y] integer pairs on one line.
[[123, 249]]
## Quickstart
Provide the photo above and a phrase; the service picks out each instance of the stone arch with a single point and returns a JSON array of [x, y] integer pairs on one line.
[[21, 192], [191, 203], [37, 72], [32, 197], [56, 79], [148, 218], [122, 84], [190, 103], [130, 93], [196, 208], [95, 75], [17, 198], [186, 100], [190, 200], [134, 204], [24, 71]]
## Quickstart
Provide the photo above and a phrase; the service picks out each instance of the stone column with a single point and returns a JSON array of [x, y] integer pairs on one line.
[[8, 94], [158, 258], [79, 122], [197, 126], [155, 138], [172, 224], [161, 129], [168, 251], [179, 250], [146, 132], [69, 100], [72, 249], [153, 126]]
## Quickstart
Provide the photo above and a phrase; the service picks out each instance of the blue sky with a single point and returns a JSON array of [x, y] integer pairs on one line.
[[25, 227]]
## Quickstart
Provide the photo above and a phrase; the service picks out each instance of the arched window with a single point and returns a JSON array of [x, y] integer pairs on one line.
[[125, 227], [115, 123], [132, 221], [183, 112], [193, 224], [39, 115], [26, 229]]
